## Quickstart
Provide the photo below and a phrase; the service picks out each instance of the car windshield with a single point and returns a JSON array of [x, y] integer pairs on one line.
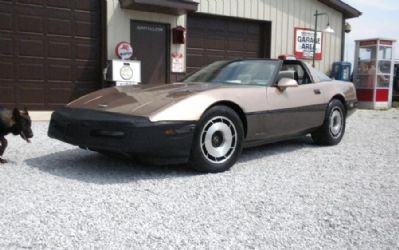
[[247, 72], [322, 77]]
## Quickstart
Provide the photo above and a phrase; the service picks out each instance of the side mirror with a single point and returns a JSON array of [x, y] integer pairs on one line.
[[284, 83]]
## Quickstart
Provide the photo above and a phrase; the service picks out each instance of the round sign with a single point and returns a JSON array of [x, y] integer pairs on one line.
[[124, 50], [126, 72]]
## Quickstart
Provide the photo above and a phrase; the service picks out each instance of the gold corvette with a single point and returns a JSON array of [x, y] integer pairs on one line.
[[208, 118]]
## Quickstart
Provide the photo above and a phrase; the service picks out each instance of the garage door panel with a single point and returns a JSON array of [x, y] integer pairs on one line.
[[31, 24], [58, 49], [211, 59], [85, 16], [237, 54], [59, 72], [195, 42], [211, 38], [5, 21], [7, 90], [30, 10], [254, 30], [86, 73], [87, 5], [46, 45], [60, 4], [60, 95], [251, 55], [61, 14], [6, 46], [215, 43], [251, 46], [30, 71], [82, 90], [236, 44], [216, 26], [7, 70], [31, 94], [215, 52], [59, 27], [31, 48], [236, 27], [196, 60], [86, 52], [84, 29], [31, 2]]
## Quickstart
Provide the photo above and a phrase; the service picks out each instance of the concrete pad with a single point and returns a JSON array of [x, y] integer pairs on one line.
[[40, 115]]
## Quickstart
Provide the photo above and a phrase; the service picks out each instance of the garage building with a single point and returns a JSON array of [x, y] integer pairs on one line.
[[53, 51]]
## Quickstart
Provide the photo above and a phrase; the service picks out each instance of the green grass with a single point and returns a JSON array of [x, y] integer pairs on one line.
[[395, 105]]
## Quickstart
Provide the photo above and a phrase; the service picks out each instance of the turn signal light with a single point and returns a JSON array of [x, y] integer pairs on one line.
[[170, 132]]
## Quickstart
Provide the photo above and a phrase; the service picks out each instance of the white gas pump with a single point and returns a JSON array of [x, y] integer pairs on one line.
[[123, 72]]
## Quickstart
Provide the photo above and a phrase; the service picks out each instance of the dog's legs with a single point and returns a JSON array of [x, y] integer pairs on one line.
[[3, 147]]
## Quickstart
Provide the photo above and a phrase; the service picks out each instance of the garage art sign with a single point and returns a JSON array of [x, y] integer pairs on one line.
[[304, 44]]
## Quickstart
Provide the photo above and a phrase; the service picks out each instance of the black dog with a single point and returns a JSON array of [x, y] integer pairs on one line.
[[15, 122]]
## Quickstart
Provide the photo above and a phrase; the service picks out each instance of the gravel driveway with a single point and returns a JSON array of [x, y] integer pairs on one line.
[[285, 195]]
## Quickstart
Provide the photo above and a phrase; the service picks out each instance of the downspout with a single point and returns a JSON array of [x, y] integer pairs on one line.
[[343, 38]]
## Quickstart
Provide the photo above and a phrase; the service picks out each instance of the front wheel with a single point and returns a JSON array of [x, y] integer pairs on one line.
[[333, 128], [217, 140]]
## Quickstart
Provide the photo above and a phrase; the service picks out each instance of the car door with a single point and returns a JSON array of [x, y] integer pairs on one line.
[[295, 110]]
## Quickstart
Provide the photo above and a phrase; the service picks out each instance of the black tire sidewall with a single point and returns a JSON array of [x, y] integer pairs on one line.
[[323, 135], [337, 104], [197, 160]]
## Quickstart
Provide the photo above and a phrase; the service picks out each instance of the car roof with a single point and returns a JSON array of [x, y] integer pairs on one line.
[[250, 59], [262, 59]]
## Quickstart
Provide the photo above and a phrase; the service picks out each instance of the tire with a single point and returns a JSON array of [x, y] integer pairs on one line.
[[218, 140], [333, 128]]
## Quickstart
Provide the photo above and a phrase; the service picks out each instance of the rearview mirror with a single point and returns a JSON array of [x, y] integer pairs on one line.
[[286, 83]]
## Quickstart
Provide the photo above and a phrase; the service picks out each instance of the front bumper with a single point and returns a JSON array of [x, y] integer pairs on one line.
[[162, 142]]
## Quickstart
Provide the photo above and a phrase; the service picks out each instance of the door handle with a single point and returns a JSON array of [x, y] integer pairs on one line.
[[317, 91]]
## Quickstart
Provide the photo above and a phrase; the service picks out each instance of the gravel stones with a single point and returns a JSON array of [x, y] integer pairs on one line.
[[285, 195]]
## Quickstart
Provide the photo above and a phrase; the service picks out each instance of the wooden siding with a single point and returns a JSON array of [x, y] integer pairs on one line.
[[285, 16]]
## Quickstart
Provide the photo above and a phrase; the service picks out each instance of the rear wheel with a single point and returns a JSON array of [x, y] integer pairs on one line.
[[217, 140], [333, 128]]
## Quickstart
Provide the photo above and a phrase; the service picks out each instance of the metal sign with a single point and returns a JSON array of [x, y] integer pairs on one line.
[[124, 50], [304, 42], [177, 63]]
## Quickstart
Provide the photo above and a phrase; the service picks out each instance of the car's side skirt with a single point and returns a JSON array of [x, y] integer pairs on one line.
[[281, 123]]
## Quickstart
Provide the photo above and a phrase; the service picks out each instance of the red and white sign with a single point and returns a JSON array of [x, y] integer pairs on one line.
[[304, 44], [177, 62], [368, 43], [124, 50]]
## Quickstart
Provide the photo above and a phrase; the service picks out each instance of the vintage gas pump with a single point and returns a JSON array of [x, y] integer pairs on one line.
[[123, 71], [373, 73]]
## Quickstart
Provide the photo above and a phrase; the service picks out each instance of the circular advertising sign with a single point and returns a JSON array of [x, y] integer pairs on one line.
[[124, 50], [126, 72]]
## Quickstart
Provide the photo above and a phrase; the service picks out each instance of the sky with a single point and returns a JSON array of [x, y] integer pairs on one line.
[[379, 19]]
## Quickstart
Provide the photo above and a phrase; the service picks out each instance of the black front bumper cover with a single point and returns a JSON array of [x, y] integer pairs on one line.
[[113, 132]]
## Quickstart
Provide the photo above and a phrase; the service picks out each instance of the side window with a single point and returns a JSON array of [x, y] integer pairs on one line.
[[301, 76]]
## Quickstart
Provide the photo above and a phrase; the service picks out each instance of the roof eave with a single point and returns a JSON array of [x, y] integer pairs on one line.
[[347, 10]]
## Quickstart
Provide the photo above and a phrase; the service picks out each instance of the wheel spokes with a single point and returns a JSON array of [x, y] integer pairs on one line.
[[219, 139]]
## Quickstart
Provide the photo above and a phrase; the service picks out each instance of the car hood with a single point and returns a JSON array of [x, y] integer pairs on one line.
[[140, 100]]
